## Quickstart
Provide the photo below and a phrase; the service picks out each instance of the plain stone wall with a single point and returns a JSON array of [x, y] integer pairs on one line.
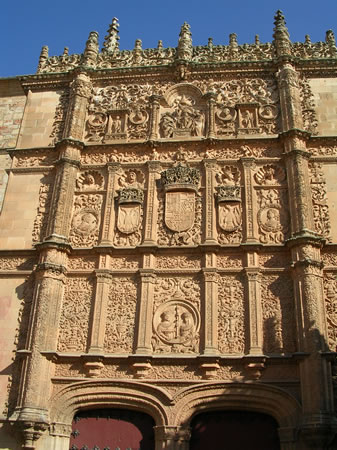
[[12, 103], [325, 97]]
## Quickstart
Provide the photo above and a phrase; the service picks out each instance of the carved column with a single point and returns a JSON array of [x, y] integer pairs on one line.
[[255, 310], [97, 332], [151, 205], [109, 211], [210, 312], [172, 437], [147, 279], [155, 101], [210, 218], [63, 191], [211, 97], [36, 371], [250, 231]]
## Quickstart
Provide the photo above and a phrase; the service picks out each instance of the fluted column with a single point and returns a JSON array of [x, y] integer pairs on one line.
[[210, 312], [210, 218], [211, 97], [109, 210], [250, 212], [147, 279], [255, 311], [151, 204], [155, 101]]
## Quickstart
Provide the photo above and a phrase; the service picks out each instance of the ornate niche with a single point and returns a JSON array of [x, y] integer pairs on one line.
[[118, 113], [179, 218], [247, 106], [182, 113], [129, 201], [273, 214], [176, 316], [228, 203]]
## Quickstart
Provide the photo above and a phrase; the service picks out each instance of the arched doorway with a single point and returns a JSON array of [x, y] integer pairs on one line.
[[234, 430], [112, 429]]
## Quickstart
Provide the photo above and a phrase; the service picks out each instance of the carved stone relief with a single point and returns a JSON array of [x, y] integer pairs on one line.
[[178, 262], [228, 203], [129, 216], [86, 220], [278, 314], [319, 200], [176, 317], [231, 315], [182, 114], [119, 113], [41, 220], [248, 106], [59, 117], [310, 121], [90, 180], [82, 263], [272, 216], [74, 321], [330, 292], [121, 312], [180, 213]]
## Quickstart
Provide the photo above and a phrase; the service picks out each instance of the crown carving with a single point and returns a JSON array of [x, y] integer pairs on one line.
[[228, 194], [130, 195], [180, 177]]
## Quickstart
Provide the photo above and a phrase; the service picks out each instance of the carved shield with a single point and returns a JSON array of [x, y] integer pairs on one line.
[[129, 217], [229, 216], [179, 210]]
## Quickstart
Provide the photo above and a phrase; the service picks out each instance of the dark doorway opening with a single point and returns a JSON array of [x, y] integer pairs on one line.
[[111, 429], [234, 430]]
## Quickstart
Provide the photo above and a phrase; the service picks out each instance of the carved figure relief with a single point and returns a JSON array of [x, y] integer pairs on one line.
[[130, 208], [86, 220], [330, 291], [248, 106], [118, 113], [228, 201], [320, 200], [90, 181], [41, 220], [75, 315], [176, 317], [182, 210], [121, 312], [231, 334], [272, 216], [182, 113]]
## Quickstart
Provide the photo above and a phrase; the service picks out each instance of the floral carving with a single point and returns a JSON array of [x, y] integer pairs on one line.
[[330, 291], [82, 263], [231, 330], [86, 220], [229, 261], [320, 200], [17, 263], [41, 220], [124, 262], [278, 314], [60, 117], [310, 121], [34, 158], [121, 311], [75, 313], [178, 262]]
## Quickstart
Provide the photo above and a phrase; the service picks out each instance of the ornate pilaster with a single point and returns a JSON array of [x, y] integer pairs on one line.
[[155, 102], [210, 235], [97, 332], [109, 210], [211, 312], [254, 306], [147, 279], [172, 437], [63, 191], [151, 210], [211, 97], [250, 231], [33, 407]]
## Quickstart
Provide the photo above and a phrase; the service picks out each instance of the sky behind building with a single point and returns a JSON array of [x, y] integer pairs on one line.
[[27, 26]]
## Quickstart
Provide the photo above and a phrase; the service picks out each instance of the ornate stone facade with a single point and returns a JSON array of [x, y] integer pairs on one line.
[[177, 248]]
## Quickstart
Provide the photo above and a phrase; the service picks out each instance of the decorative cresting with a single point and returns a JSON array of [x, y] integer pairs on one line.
[[180, 184], [112, 58]]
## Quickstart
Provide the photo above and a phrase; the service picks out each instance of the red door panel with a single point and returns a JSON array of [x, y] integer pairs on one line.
[[112, 429]]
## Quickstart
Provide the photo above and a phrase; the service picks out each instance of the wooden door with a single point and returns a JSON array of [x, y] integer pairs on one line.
[[112, 429]]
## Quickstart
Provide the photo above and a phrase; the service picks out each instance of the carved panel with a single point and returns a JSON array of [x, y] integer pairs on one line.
[[86, 220], [82, 263], [310, 121], [178, 262], [278, 314], [17, 263], [41, 220], [60, 117], [121, 313], [124, 262], [330, 292], [231, 315], [176, 317], [74, 321], [319, 200], [229, 261], [90, 180]]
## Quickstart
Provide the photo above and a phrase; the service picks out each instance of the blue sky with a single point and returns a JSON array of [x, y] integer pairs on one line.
[[27, 25]]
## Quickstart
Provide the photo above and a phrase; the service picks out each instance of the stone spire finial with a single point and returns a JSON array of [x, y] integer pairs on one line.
[[185, 46], [111, 43], [331, 41], [281, 35], [91, 49], [43, 57]]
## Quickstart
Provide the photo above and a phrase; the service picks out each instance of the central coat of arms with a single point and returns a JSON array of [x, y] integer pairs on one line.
[[179, 210]]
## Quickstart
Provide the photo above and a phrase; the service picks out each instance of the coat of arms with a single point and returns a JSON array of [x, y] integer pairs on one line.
[[179, 210]]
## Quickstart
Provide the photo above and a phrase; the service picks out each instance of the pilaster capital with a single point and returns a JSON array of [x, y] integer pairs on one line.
[[103, 276], [50, 270], [147, 275], [252, 274], [172, 433], [210, 275]]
